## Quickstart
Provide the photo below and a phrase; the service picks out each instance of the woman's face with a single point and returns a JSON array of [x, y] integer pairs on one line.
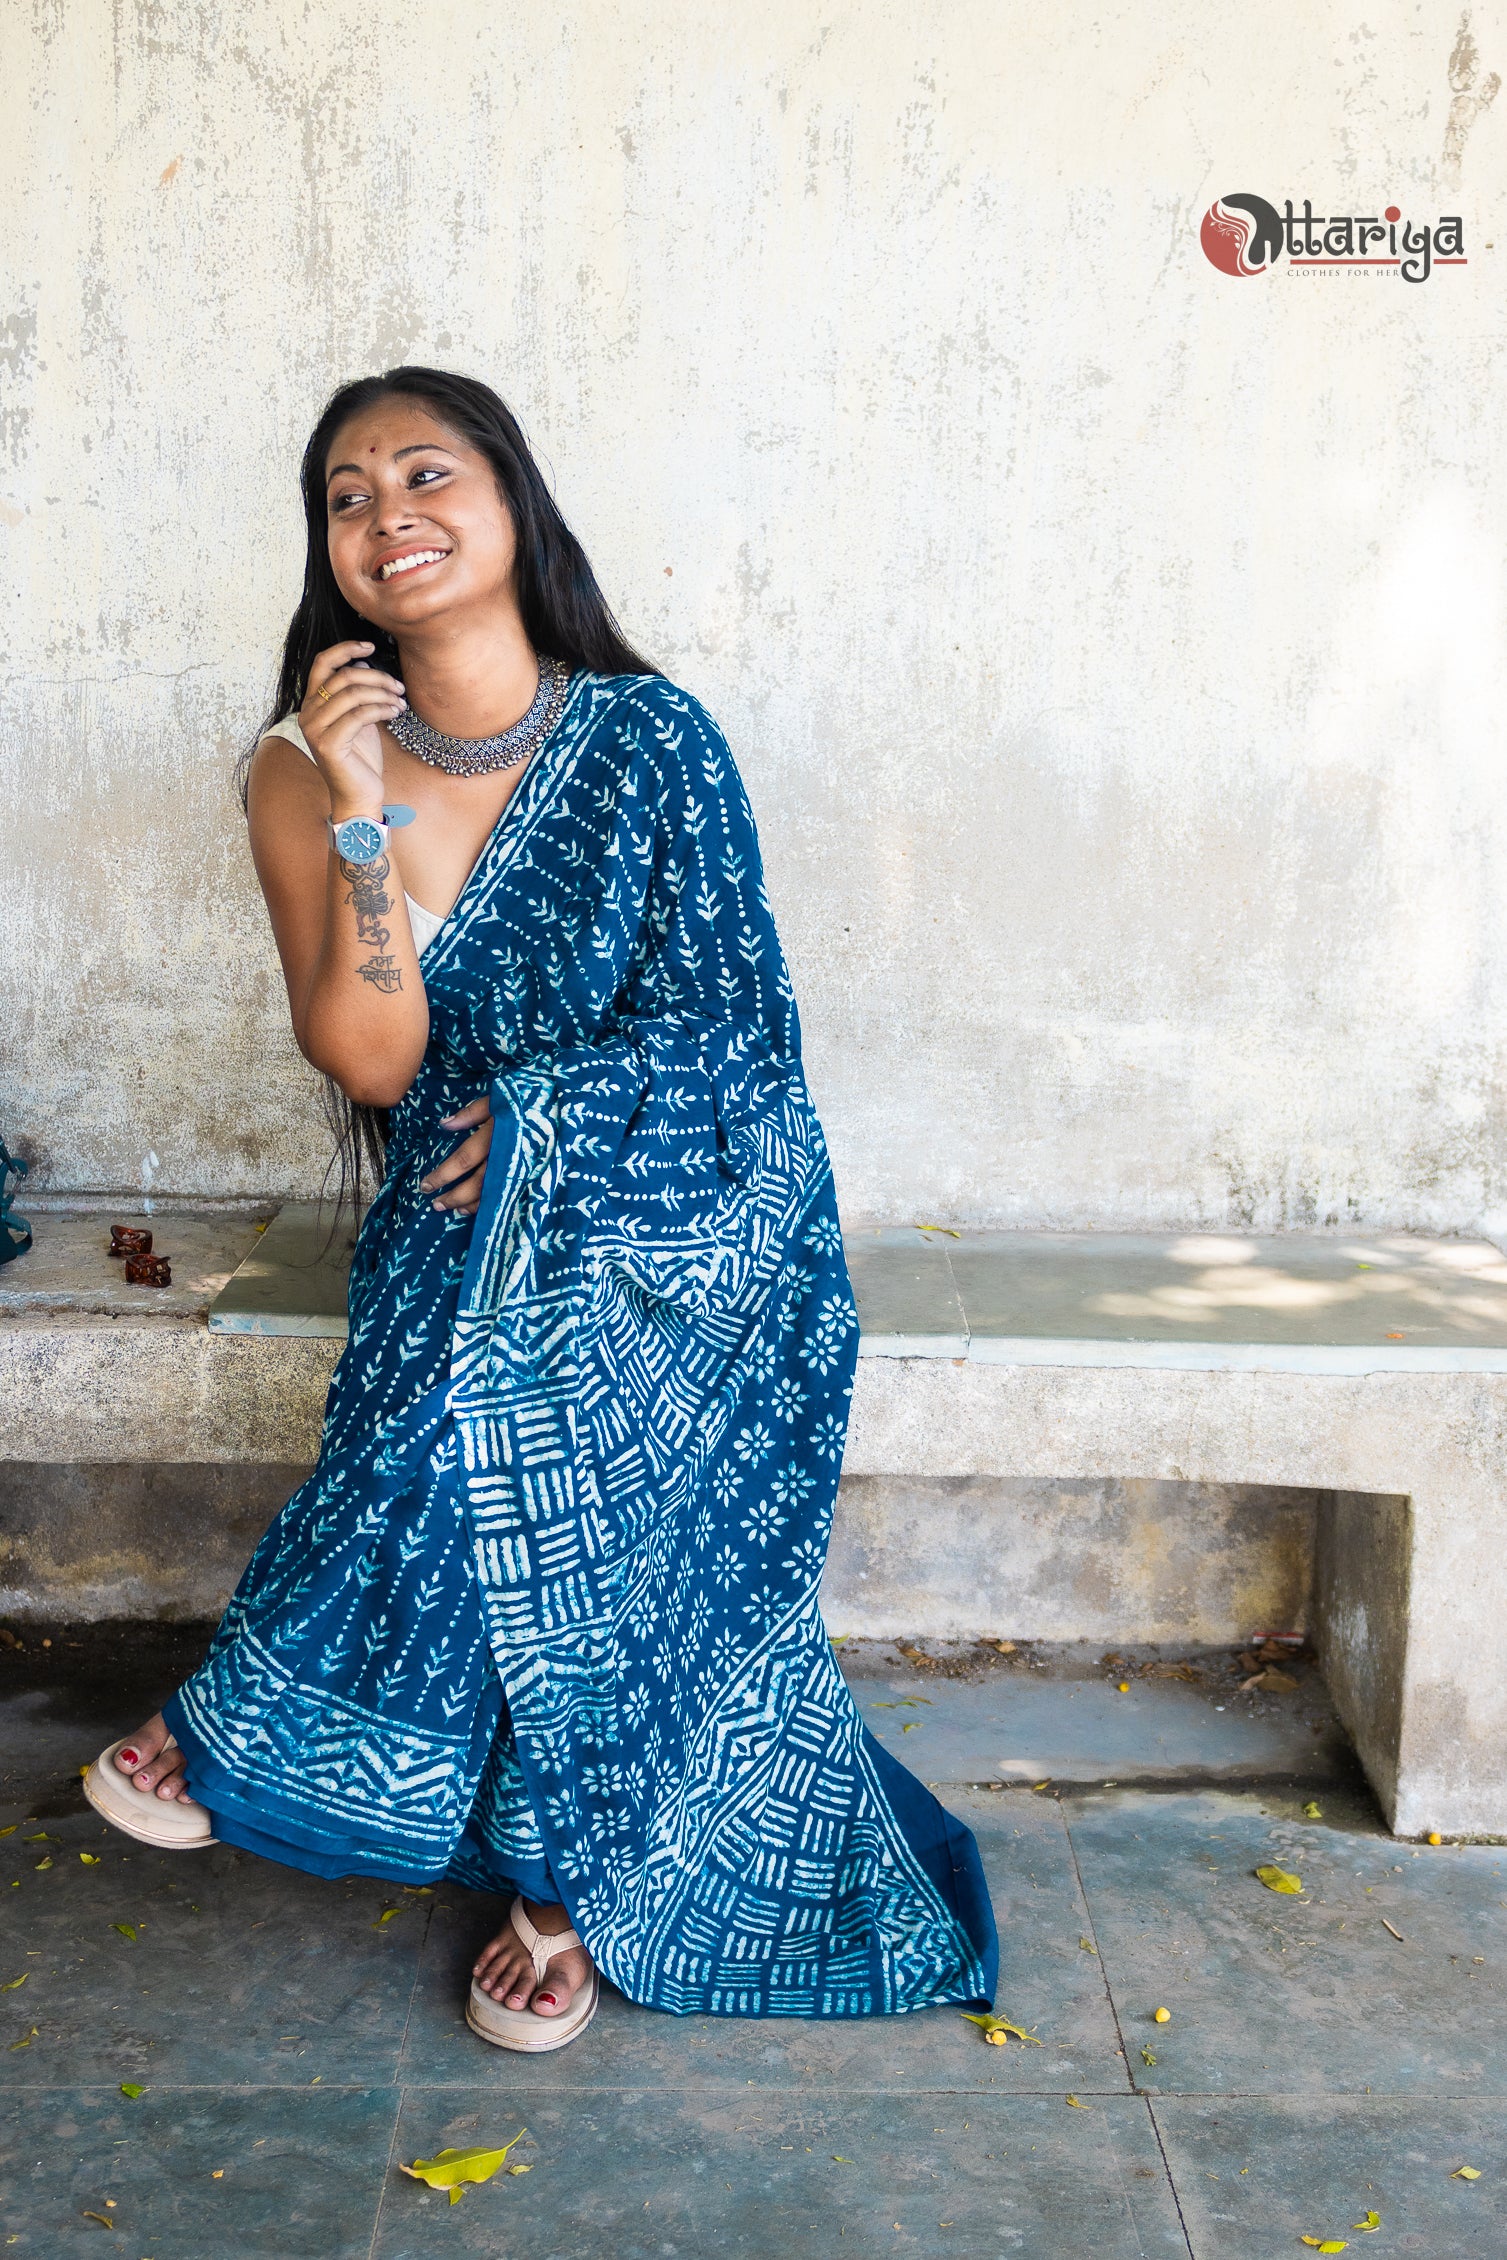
[[417, 527]]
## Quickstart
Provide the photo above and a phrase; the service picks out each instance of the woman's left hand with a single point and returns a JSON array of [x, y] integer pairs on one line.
[[456, 1183]]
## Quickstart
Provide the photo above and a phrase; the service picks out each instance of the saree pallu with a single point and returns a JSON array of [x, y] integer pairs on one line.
[[545, 1614]]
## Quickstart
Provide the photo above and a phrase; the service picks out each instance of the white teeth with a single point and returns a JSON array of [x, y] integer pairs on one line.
[[406, 564]]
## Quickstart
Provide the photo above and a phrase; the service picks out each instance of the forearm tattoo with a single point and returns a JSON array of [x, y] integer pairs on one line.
[[372, 903]]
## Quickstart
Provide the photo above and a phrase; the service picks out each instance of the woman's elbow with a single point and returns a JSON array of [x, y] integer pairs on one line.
[[364, 1081]]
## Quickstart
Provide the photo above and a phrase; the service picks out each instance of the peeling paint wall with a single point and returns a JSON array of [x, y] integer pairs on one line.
[[1114, 649]]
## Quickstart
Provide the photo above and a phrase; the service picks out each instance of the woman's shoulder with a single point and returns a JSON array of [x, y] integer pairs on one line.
[[288, 727], [651, 715]]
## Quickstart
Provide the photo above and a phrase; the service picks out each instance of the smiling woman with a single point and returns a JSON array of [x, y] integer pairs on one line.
[[545, 1615]]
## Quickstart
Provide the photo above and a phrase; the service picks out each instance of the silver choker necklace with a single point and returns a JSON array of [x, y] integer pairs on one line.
[[475, 757]]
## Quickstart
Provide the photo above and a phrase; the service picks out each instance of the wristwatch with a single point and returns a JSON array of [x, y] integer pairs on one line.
[[361, 839]]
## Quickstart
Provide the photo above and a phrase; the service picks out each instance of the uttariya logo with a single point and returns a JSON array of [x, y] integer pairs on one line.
[[1244, 235]]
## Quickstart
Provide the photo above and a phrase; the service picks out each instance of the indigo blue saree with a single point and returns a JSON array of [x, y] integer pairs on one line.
[[545, 1614]]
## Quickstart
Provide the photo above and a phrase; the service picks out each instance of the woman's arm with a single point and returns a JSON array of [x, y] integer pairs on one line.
[[354, 988]]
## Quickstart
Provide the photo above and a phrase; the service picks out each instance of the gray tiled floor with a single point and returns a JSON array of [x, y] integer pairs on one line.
[[291, 2053]]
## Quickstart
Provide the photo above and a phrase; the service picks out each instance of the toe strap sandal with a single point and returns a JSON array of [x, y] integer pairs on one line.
[[525, 2029], [164, 1821]]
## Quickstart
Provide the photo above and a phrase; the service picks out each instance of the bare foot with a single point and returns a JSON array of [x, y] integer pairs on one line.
[[505, 1968], [154, 1763]]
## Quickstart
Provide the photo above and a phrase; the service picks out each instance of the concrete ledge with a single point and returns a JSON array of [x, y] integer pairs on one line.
[[1406, 1460]]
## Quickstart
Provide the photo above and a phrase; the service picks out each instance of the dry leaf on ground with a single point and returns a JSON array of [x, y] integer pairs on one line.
[[990, 2025], [127, 1930], [1371, 2221], [1465, 2174], [1279, 1879], [451, 2168]]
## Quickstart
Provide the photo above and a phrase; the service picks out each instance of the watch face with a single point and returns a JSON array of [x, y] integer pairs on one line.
[[358, 840]]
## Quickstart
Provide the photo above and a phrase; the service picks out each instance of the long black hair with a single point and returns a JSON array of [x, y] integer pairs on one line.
[[564, 613]]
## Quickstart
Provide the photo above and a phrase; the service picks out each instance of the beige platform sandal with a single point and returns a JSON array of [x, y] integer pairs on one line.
[[522, 2028], [164, 1821]]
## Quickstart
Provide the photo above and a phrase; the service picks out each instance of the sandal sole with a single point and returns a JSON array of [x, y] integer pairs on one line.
[[117, 1800], [550, 2039]]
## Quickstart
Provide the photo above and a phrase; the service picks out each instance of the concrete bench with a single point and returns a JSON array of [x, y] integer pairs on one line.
[[1048, 1434]]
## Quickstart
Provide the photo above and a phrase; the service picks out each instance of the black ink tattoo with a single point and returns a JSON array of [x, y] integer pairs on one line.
[[372, 903]]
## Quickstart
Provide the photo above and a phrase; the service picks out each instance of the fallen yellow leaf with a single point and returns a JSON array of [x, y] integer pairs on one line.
[[1465, 2174], [840, 2161], [386, 1917], [90, 1859], [127, 1930], [1371, 2221], [47, 1863], [1147, 2057], [991, 2025], [26, 2043], [450, 2168], [104, 2224], [1077, 2106], [1312, 1812], [910, 1726], [1279, 1879], [21, 1980], [520, 2169], [1087, 1945], [1325, 2243], [129, 2088], [11, 1830]]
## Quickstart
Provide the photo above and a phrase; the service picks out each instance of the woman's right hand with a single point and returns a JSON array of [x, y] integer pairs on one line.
[[345, 701]]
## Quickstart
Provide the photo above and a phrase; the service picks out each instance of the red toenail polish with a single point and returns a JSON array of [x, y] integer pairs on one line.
[[132, 1757]]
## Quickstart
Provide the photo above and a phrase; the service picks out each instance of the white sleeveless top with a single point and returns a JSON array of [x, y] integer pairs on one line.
[[425, 923]]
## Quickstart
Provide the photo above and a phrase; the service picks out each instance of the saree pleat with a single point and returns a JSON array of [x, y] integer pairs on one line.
[[545, 1614]]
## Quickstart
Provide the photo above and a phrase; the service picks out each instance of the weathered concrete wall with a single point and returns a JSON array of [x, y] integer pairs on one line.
[[1126, 1562], [973, 1555], [1114, 648]]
